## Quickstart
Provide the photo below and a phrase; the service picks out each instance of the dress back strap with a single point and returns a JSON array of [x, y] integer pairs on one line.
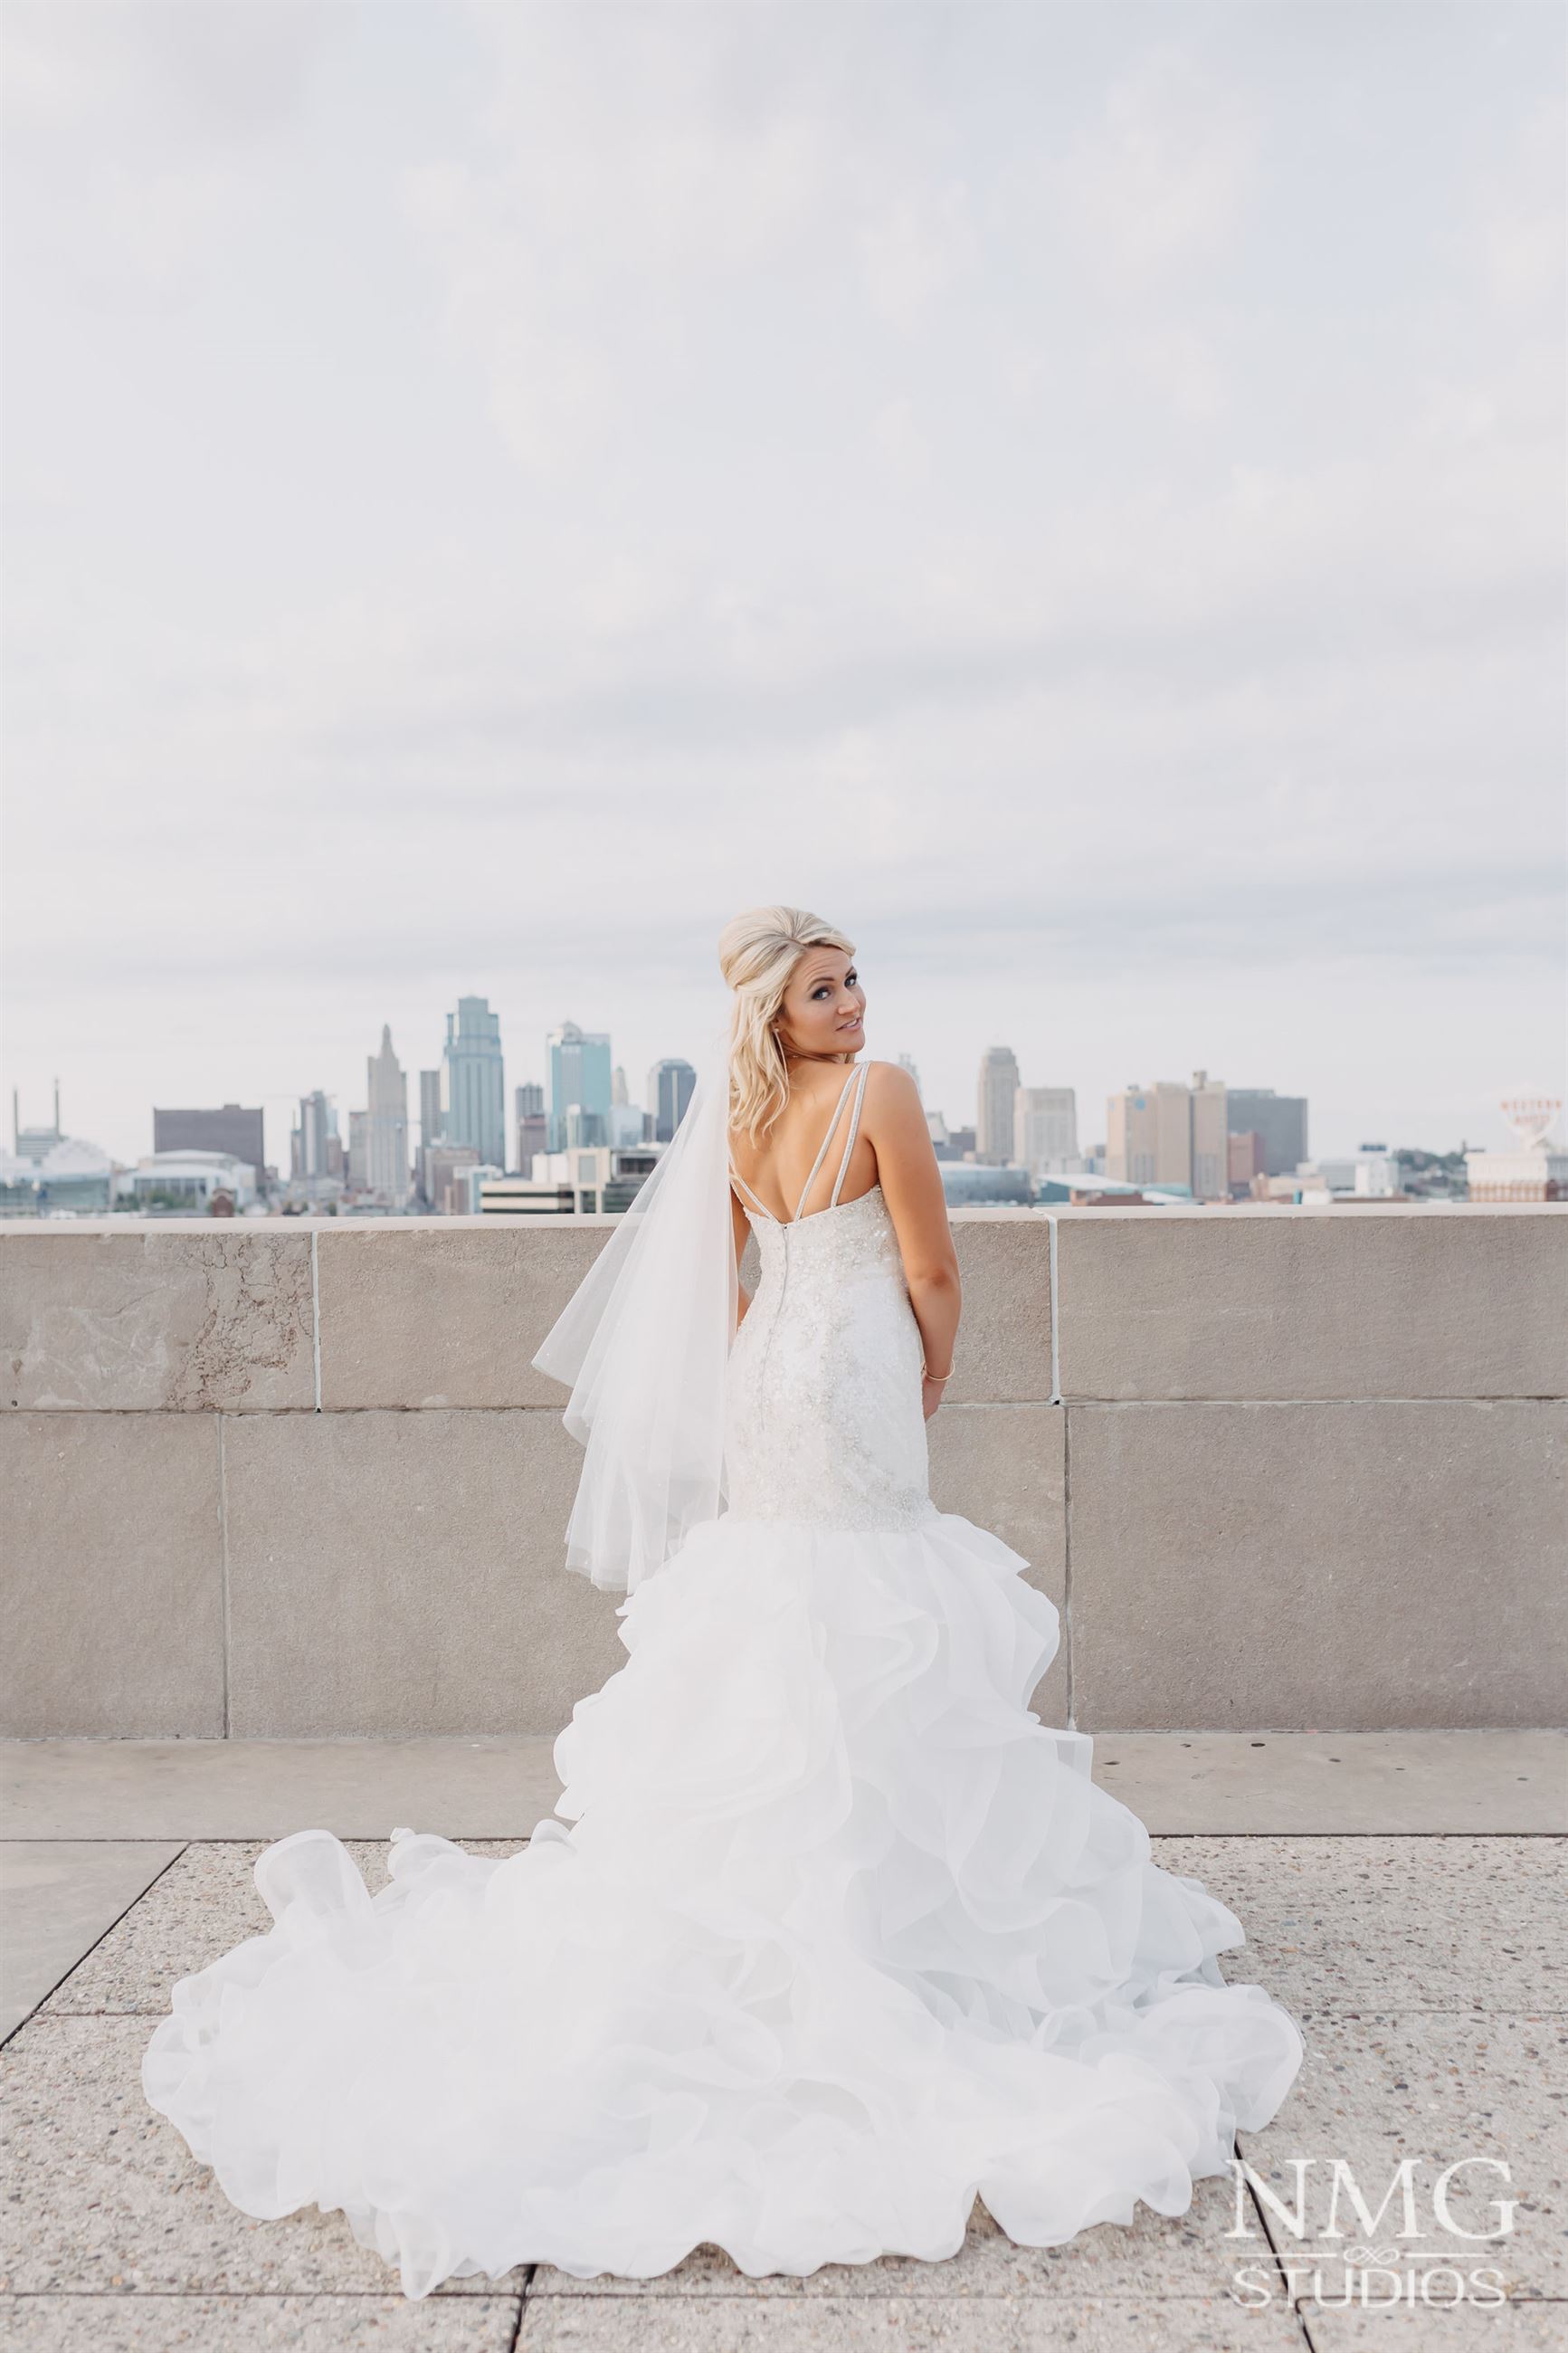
[[737, 1179], [849, 1139], [822, 1150]]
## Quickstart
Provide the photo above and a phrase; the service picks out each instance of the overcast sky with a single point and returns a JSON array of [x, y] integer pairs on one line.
[[1072, 492]]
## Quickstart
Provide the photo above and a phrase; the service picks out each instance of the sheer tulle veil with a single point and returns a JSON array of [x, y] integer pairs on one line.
[[644, 1342]]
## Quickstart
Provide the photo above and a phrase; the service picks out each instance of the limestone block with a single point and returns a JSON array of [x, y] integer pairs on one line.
[[447, 1311], [1319, 1565], [1001, 1466], [405, 1573], [1004, 1352], [1306, 1303], [111, 1609], [144, 1321]]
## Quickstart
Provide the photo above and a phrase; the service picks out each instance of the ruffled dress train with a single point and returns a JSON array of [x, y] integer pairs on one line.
[[829, 1933]]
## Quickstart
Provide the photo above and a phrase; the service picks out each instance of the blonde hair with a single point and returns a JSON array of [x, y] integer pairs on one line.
[[757, 953]]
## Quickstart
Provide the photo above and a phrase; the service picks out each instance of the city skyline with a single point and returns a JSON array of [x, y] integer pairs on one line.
[[1144, 633], [1094, 1114]]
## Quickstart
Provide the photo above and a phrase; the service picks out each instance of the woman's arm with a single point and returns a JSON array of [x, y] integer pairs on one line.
[[892, 1118], [742, 1226]]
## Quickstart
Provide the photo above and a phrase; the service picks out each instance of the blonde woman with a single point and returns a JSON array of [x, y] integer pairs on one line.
[[828, 1934]]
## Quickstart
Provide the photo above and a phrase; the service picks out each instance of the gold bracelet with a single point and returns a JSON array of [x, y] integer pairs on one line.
[[938, 1378]]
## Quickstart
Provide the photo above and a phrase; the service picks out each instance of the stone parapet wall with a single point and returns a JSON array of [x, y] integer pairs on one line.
[[1279, 1469]]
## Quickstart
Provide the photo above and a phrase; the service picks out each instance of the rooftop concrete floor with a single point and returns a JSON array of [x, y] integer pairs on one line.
[[1402, 1894]]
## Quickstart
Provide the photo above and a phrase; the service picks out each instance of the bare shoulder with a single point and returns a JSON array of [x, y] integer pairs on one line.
[[889, 1087], [891, 1107]]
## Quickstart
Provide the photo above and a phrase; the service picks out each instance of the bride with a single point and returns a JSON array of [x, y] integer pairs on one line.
[[829, 1933]]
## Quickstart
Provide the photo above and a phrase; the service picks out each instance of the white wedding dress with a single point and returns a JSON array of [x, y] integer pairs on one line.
[[840, 1936]]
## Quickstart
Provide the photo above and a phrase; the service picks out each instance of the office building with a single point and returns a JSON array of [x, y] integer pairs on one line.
[[601, 1178], [473, 1095], [580, 1082], [315, 1150], [1245, 1160], [532, 1124], [1170, 1136], [359, 1151], [387, 1137], [669, 1086], [233, 1128], [429, 1108], [443, 1169], [1280, 1120], [998, 1093], [33, 1143], [1045, 1128]]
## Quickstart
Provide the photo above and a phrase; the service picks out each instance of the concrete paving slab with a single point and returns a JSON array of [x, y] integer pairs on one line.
[[205, 1903], [892, 2323], [493, 1785], [499, 1785], [1385, 2086], [1443, 1924], [240, 2324], [115, 2200], [1155, 2256], [1338, 1784], [58, 1898], [1470, 2328]]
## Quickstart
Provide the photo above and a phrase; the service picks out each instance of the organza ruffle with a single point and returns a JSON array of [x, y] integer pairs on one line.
[[828, 1934]]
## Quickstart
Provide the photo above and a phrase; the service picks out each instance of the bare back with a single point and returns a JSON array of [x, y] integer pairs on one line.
[[816, 1154]]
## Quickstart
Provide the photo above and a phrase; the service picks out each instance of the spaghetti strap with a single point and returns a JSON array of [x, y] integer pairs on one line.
[[737, 1179], [822, 1149], [855, 1080], [849, 1139]]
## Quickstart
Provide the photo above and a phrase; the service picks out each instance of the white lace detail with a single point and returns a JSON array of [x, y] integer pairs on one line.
[[824, 1422]]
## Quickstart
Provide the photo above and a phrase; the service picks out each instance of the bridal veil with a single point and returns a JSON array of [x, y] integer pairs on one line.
[[644, 1342]]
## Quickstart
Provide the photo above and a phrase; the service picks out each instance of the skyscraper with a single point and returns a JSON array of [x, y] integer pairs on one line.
[[473, 1095], [1171, 1134], [386, 1133], [234, 1129], [993, 1138], [669, 1086], [313, 1138], [1045, 1127], [429, 1109], [1280, 1120], [359, 1151], [533, 1123], [580, 1082]]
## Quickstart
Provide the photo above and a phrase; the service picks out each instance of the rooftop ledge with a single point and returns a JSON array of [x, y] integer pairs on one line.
[[1279, 1468]]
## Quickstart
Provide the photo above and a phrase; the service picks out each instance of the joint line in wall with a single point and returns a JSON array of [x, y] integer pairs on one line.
[[222, 1565], [1051, 1278], [316, 1321], [1067, 1564]]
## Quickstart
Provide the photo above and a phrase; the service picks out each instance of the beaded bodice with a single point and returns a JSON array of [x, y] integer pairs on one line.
[[822, 1419]]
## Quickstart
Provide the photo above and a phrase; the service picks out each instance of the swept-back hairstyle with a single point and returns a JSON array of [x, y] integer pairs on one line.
[[757, 953]]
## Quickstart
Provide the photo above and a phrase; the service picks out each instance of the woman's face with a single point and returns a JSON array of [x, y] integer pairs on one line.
[[824, 1006]]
